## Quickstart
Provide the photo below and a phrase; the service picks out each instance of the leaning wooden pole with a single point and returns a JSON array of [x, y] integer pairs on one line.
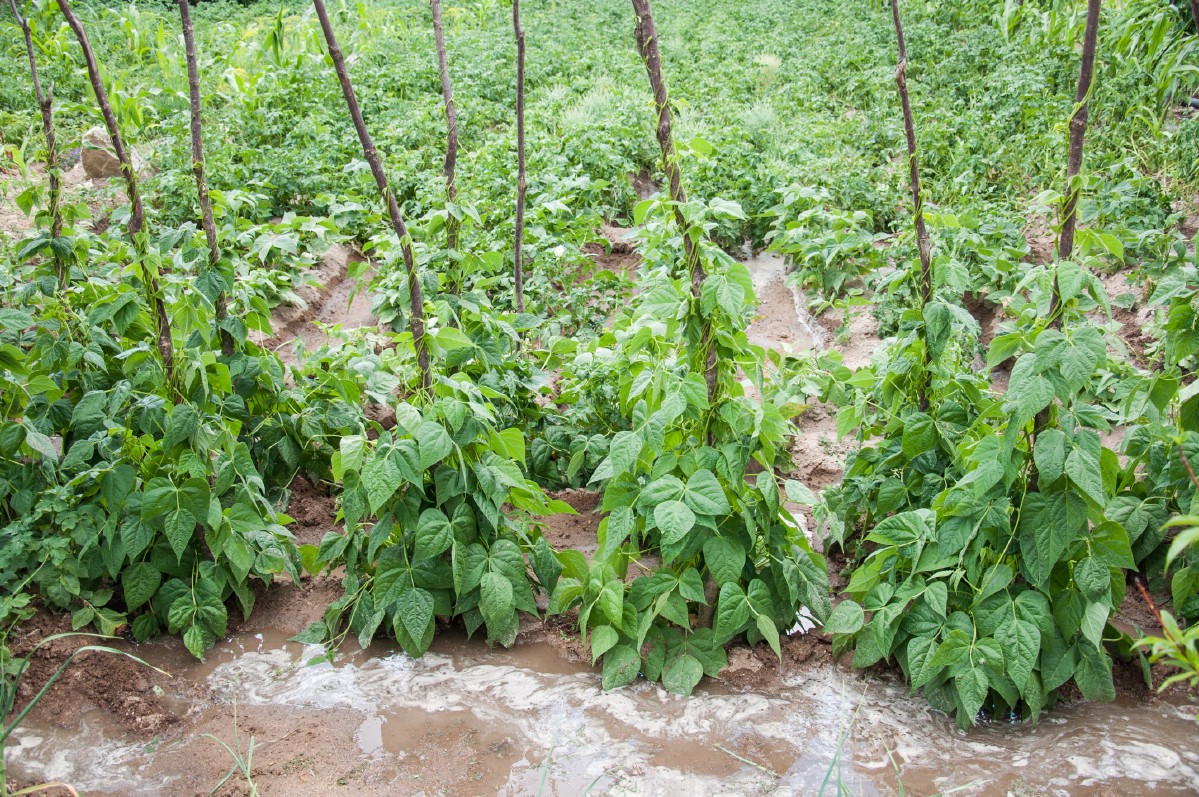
[[647, 44], [393, 208], [197, 133], [521, 177], [1195, 14], [909, 128], [45, 102], [451, 123], [136, 215], [1078, 132]]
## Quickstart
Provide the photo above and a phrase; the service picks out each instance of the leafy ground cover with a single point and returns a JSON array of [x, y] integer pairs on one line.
[[1021, 436]]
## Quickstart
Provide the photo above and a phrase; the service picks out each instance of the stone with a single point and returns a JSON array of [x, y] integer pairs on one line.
[[99, 159]]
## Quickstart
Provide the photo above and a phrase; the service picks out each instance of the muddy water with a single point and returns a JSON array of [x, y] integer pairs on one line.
[[784, 321], [526, 722]]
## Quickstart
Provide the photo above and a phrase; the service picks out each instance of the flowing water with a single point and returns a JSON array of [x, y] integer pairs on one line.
[[536, 724]]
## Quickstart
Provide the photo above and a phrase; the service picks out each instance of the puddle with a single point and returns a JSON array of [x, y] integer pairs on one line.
[[468, 720]]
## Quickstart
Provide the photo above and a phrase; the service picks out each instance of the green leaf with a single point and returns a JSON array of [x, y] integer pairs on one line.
[[938, 324], [497, 601], [725, 559], [674, 519], [40, 443], [1083, 470], [195, 641], [183, 423], [681, 675], [1094, 619], [972, 686], [1049, 455], [434, 534], [1030, 391], [847, 618], [603, 639], [624, 451], [705, 495], [770, 633], [621, 665], [667, 488], [1093, 578], [180, 526], [139, 581], [381, 478], [433, 442], [1109, 543], [1094, 674], [732, 611], [415, 610], [1021, 643], [919, 435]]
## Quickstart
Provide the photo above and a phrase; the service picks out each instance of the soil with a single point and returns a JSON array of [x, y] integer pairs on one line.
[[644, 184], [329, 300], [619, 257], [857, 344], [1042, 243], [314, 509], [575, 531], [1134, 322]]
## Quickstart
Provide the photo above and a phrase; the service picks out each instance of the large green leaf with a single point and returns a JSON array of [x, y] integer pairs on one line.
[[433, 442], [414, 608], [725, 558], [675, 519], [180, 526], [434, 534], [705, 495]]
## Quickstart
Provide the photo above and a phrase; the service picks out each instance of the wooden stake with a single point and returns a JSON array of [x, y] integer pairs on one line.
[[647, 43], [46, 103], [393, 207], [1078, 132], [451, 120], [521, 179], [214, 246], [909, 128], [136, 216]]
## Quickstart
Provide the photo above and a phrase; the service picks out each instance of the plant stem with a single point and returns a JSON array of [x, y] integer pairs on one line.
[[647, 43], [521, 184], [393, 208], [451, 121], [214, 247], [46, 103], [137, 215]]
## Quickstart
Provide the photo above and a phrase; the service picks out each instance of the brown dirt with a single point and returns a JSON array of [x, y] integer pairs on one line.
[[644, 184], [120, 687], [619, 257], [313, 509], [759, 668], [1134, 322], [1042, 243], [816, 452], [575, 531], [858, 345], [986, 314], [327, 300]]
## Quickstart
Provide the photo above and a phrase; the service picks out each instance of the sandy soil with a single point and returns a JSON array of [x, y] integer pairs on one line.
[[328, 302]]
